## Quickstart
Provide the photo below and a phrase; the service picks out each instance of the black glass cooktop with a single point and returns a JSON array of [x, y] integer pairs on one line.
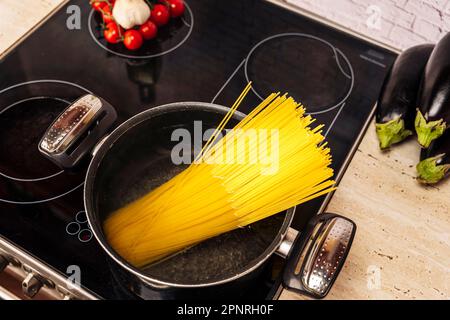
[[208, 55]]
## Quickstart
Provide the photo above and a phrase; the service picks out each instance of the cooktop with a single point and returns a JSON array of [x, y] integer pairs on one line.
[[207, 55]]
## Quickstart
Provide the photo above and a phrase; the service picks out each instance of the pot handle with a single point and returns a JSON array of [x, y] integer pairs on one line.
[[76, 131], [318, 254]]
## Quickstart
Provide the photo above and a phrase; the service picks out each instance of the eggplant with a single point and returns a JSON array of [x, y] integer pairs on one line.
[[396, 104], [433, 114], [435, 160]]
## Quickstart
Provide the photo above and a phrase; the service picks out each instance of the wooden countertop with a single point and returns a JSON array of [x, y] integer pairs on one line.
[[402, 246]]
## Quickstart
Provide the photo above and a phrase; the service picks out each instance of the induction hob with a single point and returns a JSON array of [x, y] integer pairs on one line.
[[208, 55]]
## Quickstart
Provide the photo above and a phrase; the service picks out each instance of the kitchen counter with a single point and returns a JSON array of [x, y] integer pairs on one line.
[[402, 245]]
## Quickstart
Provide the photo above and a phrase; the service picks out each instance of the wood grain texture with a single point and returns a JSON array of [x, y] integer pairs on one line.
[[402, 245]]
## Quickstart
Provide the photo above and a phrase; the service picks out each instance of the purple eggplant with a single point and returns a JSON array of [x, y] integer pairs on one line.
[[433, 114], [435, 160], [397, 103]]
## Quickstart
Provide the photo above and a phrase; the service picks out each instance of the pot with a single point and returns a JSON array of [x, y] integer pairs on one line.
[[136, 157]]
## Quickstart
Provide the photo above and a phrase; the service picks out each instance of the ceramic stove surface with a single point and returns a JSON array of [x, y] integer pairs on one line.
[[208, 55]]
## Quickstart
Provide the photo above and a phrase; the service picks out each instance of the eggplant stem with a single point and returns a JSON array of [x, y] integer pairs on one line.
[[428, 131], [429, 172], [391, 132]]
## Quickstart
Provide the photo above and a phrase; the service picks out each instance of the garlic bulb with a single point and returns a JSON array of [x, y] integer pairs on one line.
[[130, 13]]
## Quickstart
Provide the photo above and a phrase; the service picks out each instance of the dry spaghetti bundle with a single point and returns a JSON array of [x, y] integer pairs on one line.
[[271, 161]]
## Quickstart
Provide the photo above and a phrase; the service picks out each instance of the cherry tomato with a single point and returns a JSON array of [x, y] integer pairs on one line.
[[148, 30], [98, 5], [133, 39], [107, 14], [176, 8], [112, 32], [160, 15]]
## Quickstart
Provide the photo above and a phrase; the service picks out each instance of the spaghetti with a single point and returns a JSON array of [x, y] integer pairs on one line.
[[271, 161]]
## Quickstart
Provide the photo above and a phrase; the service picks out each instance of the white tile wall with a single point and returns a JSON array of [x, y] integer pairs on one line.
[[399, 23]]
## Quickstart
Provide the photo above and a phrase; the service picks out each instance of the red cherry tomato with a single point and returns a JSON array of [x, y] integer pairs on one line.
[[98, 5], [112, 32], [176, 8], [107, 14], [133, 39], [148, 30], [160, 15]]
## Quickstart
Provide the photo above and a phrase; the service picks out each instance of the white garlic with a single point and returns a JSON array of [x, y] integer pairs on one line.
[[130, 13]]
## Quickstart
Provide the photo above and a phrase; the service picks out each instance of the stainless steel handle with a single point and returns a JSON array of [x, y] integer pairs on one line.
[[75, 132], [326, 255], [318, 255], [69, 125]]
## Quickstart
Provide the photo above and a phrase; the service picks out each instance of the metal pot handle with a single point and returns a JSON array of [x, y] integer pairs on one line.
[[76, 131], [318, 254]]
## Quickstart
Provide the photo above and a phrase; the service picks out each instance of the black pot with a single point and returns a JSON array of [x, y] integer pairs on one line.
[[136, 157]]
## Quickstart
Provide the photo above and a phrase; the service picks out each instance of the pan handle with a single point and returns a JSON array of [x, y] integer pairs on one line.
[[76, 131], [318, 254]]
